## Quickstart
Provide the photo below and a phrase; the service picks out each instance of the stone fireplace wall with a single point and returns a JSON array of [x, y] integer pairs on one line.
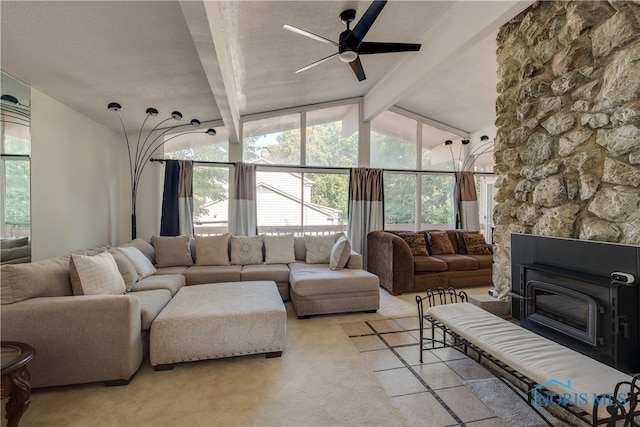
[[567, 149]]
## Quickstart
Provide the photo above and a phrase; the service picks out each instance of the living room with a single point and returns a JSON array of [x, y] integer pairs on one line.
[[80, 188]]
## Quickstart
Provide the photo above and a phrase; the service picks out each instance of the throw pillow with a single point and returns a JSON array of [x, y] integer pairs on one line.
[[143, 246], [6, 243], [440, 243], [212, 250], [246, 249], [95, 275], [340, 253], [172, 251], [319, 248], [126, 268], [476, 245], [279, 249], [416, 242], [139, 260], [462, 246]]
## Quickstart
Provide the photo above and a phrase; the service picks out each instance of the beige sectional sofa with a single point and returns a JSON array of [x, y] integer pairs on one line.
[[89, 338]]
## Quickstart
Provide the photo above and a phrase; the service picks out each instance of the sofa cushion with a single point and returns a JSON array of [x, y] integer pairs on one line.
[[299, 248], [151, 304], [457, 262], [319, 279], [140, 261], [95, 275], [9, 243], [170, 282], [46, 278], [127, 270], [172, 251], [484, 261], [212, 250], [279, 273], [440, 243], [171, 270], [318, 248], [416, 242], [475, 243], [462, 246], [340, 253], [279, 249], [143, 246], [201, 274], [429, 263], [246, 249]]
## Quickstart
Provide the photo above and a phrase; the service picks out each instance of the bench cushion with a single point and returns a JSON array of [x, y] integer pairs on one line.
[[532, 355]]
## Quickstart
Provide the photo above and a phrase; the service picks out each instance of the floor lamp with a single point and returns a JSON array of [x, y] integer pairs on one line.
[[140, 154]]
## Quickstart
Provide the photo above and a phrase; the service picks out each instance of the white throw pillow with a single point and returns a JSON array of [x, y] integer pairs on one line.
[[97, 274], [279, 249], [340, 253], [139, 260], [212, 250], [319, 248], [246, 249]]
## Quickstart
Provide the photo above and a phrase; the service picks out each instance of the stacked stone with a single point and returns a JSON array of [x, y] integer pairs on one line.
[[567, 149]]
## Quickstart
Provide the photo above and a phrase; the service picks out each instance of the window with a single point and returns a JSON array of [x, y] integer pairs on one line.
[[297, 202], [435, 154], [393, 141], [399, 201], [437, 210], [274, 140], [16, 197], [198, 146], [332, 136], [211, 199]]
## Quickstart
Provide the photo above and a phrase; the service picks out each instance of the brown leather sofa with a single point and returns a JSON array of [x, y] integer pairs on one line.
[[390, 257]]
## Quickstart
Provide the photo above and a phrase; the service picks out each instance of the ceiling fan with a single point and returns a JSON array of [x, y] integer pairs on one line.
[[350, 44]]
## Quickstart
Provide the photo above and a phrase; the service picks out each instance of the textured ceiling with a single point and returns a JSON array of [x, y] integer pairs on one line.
[[220, 60]]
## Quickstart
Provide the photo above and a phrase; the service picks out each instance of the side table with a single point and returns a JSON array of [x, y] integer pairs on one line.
[[15, 378]]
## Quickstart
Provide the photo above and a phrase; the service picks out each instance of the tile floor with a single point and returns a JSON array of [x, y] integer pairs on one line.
[[429, 394]]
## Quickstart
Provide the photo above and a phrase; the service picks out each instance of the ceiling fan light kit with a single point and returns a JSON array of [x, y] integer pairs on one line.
[[350, 45]]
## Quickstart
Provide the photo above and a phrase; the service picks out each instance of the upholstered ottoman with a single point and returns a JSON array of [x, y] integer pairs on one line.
[[219, 320]]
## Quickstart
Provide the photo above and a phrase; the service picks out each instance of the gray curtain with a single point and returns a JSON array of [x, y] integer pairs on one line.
[[467, 216], [177, 199], [244, 214], [366, 209]]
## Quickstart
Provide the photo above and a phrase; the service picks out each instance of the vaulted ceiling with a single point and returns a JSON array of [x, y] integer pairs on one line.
[[222, 60]]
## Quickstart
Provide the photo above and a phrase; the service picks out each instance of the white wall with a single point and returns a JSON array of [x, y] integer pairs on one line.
[[77, 180]]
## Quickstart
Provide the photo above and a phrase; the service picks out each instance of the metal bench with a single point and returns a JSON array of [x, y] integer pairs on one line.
[[549, 373]]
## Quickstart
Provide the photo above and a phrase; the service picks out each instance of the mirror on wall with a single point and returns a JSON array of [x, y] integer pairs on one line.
[[15, 171]]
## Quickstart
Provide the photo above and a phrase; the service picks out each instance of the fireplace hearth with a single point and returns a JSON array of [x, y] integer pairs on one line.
[[562, 289]]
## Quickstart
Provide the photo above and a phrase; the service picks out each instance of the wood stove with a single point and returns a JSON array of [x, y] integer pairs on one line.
[[562, 289]]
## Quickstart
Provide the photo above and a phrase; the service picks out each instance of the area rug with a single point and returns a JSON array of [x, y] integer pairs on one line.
[[503, 401]]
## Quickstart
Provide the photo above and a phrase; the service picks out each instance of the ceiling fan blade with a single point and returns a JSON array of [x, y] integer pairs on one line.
[[356, 66], [308, 34], [319, 61], [368, 48], [367, 20]]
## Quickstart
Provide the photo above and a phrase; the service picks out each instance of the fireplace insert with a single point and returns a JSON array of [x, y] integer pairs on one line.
[[557, 294]]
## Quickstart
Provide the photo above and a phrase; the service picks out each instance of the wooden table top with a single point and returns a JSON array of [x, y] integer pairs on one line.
[[13, 355]]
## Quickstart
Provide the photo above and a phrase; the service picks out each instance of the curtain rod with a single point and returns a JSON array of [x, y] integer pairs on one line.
[[16, 156], [407, 171]]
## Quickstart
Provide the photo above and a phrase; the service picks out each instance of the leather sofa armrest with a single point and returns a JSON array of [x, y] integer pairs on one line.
[[389, 257], [77, 339]]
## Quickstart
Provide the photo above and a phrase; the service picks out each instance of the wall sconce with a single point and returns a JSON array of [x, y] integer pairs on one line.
[[145, 148]]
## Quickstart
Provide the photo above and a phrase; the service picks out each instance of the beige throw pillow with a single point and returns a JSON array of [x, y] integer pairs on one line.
[[279, 249], [95, 275], [126, 268], [173, 251], [319, 248], [141, 263], [212, 250], [340, 253], [246, 249]]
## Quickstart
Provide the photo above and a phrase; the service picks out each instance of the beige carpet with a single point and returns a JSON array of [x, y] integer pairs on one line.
[[319, 380]]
